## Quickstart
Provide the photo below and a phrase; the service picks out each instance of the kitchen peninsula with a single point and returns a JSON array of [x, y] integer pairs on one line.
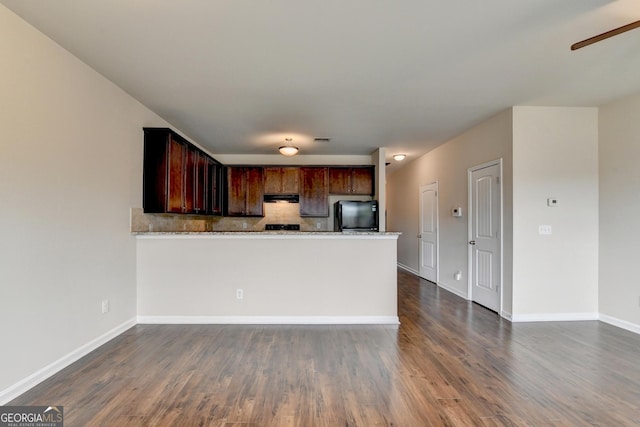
[[203, 255], [267, 277]]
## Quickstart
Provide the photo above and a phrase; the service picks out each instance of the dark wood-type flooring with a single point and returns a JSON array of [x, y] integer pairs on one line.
[[450, 363]]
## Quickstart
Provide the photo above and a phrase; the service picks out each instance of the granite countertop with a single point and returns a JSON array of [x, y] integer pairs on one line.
[[265, 233]]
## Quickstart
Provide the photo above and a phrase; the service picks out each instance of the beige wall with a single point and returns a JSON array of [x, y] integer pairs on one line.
[[555, 154], [546, 152], [448, 165], [70, 169], [619, 292]]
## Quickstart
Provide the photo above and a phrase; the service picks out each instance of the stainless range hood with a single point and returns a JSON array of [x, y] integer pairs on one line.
[[284, 198]]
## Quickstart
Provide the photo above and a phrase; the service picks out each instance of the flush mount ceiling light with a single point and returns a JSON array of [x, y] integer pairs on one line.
[[399, 157], [288, 150]]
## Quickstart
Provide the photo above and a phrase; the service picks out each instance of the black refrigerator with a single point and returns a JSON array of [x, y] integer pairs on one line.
[[350, 215]]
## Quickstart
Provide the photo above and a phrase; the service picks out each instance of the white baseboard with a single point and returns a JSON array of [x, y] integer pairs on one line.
[[632, 327], [409, 269], [453, 290], [271, 320], [554, 317], [506, 315], [37, 377]]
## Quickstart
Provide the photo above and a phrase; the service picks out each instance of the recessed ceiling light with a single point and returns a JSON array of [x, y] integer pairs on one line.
[[399, 157]]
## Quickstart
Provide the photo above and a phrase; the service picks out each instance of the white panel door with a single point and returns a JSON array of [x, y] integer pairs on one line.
[[429, 232], [485, 242]]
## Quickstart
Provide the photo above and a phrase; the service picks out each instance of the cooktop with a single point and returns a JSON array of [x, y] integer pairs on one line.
[[287, 227]]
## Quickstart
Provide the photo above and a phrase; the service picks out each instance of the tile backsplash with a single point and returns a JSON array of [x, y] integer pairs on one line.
[[274, 213]]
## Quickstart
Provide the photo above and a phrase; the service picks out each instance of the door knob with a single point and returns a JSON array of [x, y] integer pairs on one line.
[[472, 242], [419, 236]]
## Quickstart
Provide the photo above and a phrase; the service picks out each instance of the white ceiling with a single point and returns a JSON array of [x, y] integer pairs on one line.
[[240, 76]]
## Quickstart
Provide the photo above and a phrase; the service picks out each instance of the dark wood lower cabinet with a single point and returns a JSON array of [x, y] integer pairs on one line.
[[314, 192]]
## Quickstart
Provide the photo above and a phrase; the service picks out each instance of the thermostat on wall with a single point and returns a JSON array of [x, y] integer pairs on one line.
[[456, 212]]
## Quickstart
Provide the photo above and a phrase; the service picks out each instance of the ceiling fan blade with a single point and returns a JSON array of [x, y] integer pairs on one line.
[[605, 35]]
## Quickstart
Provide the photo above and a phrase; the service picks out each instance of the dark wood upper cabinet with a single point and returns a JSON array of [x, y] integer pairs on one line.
[[191, 161], [177, 152], [215, 180], [339, 180], [281, 180], [235, 191], [200, 182], [362, 181], [245, 191], [255, 191], [176, 175], [351, 180], [179, 177], [314, 192], [163, 172]]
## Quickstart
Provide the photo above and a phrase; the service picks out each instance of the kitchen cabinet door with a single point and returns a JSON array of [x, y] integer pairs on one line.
[[235, 191], [290, 180], [191, 161], [244, 191], [314, 192], [351, 180], [200, 182], [215, 181], [362, 181], [272, 180], [339, 180], [254, 191], [177, 153], [281, 180]]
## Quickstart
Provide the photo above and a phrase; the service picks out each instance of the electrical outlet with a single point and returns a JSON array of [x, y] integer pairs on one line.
[[244, 225], [545, 230], [105, 306], [239, 294], [318, 226]]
